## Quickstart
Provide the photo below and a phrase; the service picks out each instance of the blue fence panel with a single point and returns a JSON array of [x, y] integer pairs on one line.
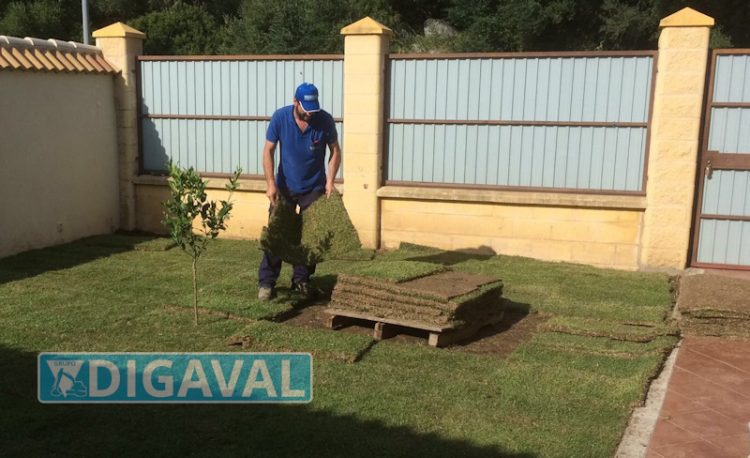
[[192, 110], [730, 130], [587, 121], [603, 89], [530, 156], [732, 80], [724, 242], [724, 231], [727, 192]]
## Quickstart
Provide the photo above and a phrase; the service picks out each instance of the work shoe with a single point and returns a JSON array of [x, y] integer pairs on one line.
[[303, 288], [265, 293]]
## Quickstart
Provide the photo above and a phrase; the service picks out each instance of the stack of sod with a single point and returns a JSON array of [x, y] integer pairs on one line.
[[714, 306], [413, 292], [323, 231]]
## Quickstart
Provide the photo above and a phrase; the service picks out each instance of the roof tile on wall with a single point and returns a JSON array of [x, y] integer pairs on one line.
[[34, 54]]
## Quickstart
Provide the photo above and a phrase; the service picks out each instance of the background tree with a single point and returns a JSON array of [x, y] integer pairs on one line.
[[40, 18], [312, 26], [181, 28], [298, 26]]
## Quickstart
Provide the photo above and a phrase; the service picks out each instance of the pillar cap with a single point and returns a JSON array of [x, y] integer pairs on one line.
[[366, 26], [687, 17], [118, 30]]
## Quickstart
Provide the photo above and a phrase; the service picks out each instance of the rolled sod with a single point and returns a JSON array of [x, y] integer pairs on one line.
[[323, 231]]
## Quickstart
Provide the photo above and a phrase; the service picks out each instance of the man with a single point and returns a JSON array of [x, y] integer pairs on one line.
[[303, 130]]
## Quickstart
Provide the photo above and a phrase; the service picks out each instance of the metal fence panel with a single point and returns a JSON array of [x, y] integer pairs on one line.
[[527, 156], [212, 114], [732, 82], [724, 242], [730, 129], [599, 89], [727, 193], [547, 122], [724, 216]]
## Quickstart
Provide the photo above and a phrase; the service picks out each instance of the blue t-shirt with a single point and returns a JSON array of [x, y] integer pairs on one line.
[[302, 163]]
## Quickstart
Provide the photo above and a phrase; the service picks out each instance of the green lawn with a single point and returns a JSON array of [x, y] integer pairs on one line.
[[568, 391]]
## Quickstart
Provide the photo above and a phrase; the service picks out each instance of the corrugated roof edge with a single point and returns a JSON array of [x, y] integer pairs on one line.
[[51, 55]]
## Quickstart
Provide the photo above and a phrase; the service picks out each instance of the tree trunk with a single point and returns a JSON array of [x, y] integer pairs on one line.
[[195, 290]]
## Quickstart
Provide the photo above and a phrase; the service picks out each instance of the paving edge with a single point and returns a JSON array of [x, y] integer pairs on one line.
[[641, 425]]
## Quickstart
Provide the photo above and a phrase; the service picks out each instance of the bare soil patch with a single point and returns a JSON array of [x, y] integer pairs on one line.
[[714, 292], [714, 305]]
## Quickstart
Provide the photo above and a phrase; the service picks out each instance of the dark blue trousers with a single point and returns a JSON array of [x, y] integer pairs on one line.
[[270, 266]]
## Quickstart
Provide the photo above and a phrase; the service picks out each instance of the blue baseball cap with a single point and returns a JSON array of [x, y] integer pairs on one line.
[[307, 95]]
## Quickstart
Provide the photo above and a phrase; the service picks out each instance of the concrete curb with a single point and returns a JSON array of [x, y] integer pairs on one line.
[[641, 425]]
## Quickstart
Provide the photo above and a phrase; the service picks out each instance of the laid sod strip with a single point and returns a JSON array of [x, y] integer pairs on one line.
[[268, 310], [135, 242], [722, 327], [239, 299], [717, 313], [604, 345], [633, 332], [323, 344], [396, 271], [362, 254], [155, 330], [609, 365], [576, 290], [409, 251]]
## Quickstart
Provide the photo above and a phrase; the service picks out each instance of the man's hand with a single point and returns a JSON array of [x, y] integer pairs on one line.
[[272, 193], [333, 166]]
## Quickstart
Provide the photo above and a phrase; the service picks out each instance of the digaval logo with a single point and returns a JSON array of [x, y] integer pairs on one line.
[[66, 382], [174, 377]]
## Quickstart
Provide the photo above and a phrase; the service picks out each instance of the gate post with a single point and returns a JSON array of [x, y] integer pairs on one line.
[[675, 139], [366, 44], [120, 44]]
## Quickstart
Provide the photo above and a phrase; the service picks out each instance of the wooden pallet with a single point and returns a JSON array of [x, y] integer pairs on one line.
[[385, 328]]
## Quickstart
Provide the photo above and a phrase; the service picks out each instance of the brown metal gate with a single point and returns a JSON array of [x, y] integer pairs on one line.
[[721, 230]]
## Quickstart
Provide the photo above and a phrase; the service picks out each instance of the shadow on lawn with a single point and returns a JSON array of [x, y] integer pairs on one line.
[[30, 428], [60, 257], [515, 312]]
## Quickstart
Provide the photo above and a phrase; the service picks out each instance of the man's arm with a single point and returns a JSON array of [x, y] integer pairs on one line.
[[333, 166], [268, 152]]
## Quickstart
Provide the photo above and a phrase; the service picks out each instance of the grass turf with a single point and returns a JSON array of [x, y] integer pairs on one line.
[[627, 331], [323, 231], [265, 336], [395, 271], [557, 395]]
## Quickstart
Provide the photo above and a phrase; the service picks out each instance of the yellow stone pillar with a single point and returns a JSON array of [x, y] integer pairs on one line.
[[675, 139], [366, 45], [120, 44]]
